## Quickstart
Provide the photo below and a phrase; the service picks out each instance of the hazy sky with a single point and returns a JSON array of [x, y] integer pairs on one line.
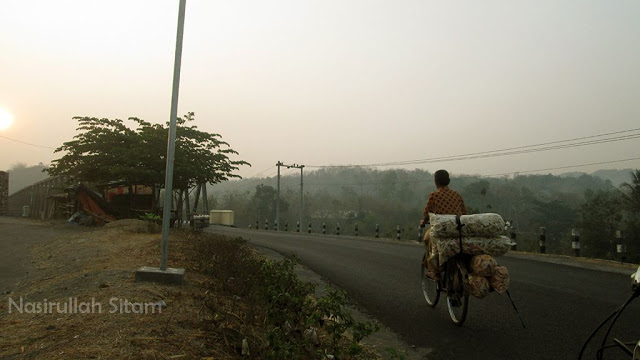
[[334, 82]]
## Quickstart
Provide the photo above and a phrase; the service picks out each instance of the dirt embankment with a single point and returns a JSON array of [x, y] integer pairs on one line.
[[80, 301]]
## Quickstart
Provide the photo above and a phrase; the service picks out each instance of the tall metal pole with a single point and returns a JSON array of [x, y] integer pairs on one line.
[[171, 146], [278, 199], [301, 182], [301, 202]]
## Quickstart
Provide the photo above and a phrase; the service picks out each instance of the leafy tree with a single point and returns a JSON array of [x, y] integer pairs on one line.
[[108, 150], [632, 219], [264, 202], [476, 193], [601, 217], [633, 196], [556, 216]]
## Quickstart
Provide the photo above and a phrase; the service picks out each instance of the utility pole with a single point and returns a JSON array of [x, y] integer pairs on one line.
[[295, 166], [278, 164], [301, 197]]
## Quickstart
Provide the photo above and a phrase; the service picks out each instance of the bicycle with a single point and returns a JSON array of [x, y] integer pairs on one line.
[[635, 352], [451, 282]]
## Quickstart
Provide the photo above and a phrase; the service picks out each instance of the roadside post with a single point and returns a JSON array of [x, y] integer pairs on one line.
[[398, 232], [298, 226], [621, 249], [309, 227], [286, 226], [575, 244], [324, 228], [337, 228], [543, 240], [377, 230]]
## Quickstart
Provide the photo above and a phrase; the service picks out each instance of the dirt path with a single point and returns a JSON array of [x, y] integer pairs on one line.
[[16, 236]]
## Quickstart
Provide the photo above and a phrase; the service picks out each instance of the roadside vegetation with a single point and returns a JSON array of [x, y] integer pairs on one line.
[[235, 303], [272, 312]]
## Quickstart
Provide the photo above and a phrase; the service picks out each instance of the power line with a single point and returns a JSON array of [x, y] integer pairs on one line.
[[261, 172], [554, 145], [565, 167], [26, 143], [491, 175]]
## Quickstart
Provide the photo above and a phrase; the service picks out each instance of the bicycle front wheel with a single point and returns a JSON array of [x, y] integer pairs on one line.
[[458, 298], [430, 287]]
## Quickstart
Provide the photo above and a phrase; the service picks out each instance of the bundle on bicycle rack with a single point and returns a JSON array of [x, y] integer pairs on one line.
[[481, 235], [486, 275]]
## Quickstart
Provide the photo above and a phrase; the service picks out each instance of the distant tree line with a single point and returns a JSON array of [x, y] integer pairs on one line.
[[389, 198]]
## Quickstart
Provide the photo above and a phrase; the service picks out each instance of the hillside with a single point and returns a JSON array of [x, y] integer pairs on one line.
[[616, 177]]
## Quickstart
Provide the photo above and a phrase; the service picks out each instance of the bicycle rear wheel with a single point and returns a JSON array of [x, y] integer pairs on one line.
[[430, 287], [457, 298]]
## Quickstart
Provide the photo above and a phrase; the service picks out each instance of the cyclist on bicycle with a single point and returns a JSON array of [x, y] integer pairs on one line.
[[443, 201]]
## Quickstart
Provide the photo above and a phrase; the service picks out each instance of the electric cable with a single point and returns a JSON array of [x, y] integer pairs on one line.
[[553, 145], [491, 175], [27, 143]]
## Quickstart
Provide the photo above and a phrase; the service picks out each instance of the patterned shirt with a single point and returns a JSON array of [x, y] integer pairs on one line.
[[445, 201]]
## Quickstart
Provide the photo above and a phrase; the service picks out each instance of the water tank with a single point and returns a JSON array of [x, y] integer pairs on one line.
[[221, 217]]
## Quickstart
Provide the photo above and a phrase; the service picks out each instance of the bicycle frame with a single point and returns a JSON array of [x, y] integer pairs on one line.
[[451, 284], [634, 353]]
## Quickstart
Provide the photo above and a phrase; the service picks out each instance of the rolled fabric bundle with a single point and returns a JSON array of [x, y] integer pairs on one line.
[[478, 286], [476, 225], [483, 265], [500, 279], [448, 247]]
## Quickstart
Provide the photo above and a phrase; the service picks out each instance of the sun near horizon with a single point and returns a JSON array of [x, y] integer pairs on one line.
[[6, 120]]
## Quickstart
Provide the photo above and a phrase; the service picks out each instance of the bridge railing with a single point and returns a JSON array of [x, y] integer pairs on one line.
[[45, 199]]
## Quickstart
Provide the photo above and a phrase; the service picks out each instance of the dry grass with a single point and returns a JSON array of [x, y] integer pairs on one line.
[[209, 317], [100, 265]]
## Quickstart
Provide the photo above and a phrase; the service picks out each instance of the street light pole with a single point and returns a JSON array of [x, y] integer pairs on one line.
[[164, 274], [171, 145]]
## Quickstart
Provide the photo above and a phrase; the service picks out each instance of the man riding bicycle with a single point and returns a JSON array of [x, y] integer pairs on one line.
[[443, 201]]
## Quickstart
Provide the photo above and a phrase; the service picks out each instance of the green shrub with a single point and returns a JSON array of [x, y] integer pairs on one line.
[[294, 324]]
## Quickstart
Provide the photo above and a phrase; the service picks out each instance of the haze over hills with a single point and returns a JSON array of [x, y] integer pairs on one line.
[[617, 177], [22, 175]]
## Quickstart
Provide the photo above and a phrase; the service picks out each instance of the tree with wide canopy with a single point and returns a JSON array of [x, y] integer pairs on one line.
[[106, 151]]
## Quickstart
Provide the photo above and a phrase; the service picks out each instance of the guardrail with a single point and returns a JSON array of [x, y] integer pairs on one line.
[[45, 199]]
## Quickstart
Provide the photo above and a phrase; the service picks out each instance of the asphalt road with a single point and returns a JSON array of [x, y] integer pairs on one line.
[[560, 304], [16, 235]]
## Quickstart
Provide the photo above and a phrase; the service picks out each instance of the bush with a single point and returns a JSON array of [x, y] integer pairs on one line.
[[272, 311]]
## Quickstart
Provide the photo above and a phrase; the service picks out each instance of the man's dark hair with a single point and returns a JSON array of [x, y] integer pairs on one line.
[[442, 178]]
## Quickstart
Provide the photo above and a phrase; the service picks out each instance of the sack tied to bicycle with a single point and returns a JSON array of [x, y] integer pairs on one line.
[[460, 251]]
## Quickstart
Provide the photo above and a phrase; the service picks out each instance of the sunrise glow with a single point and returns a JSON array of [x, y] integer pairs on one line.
[[5, 119]]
